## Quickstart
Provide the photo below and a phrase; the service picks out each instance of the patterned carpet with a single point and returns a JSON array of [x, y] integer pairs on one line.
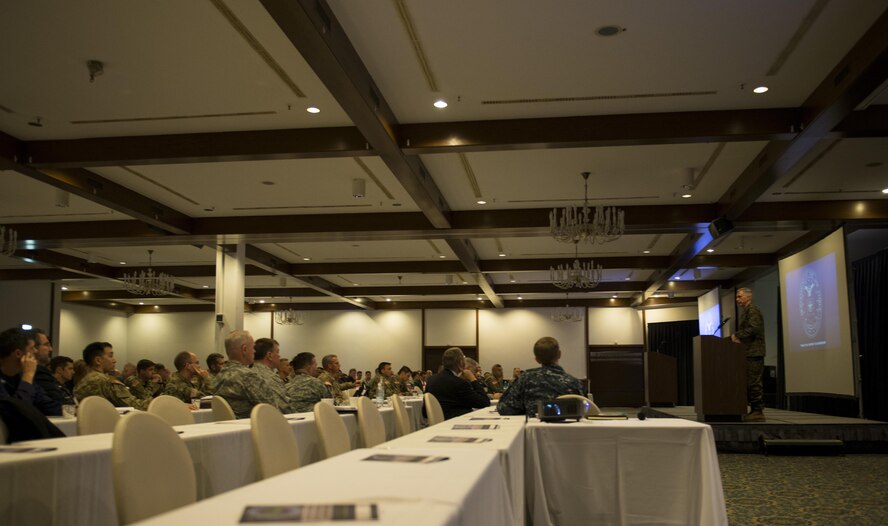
[[821, 491]]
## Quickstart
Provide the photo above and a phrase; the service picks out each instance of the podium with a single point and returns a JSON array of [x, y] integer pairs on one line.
[[719, 379], [661, 374]]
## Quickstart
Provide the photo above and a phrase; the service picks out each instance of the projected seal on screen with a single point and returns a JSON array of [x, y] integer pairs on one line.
[[811, 304]]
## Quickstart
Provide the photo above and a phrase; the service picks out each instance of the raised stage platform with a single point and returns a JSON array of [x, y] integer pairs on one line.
[[859, 435]]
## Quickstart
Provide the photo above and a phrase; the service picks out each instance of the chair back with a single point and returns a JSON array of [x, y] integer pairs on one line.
[[222, 410], [151, 468], [434, 413], [96, 415], [172, 410], [370, 422], [331, 430], [589, 405], [273, 441], [403, 423]]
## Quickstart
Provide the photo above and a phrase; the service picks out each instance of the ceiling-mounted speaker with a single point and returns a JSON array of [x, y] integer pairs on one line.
[[720, 227]]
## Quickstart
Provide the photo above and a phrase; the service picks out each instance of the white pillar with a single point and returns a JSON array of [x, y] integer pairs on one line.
[[229, 291]]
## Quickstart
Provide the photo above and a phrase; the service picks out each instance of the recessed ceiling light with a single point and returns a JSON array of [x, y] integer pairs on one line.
[[511, 281], [464, 282], [64, 288], [614, 296], [261, 301], [388, 299], [686, 196], [481, 202], [442, 256], [710, 250], [306, 259], [677, 277], [113, 304], [440, 104], [141, 303], [206, 286], [646, 251], [885, 190], [760, 89], [123, 262], [628, 279], [480, 298], [502, 254], [312, 109], [355, 284], [520, 298]]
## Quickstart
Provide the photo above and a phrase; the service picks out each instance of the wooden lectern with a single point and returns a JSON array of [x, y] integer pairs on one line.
[[719, 379]]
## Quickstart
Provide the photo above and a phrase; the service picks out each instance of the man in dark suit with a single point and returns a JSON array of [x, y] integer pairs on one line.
[[456, 388]]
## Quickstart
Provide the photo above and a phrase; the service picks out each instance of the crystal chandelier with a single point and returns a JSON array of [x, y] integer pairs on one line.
[[288, 317], [579, 274], [567, 313], [574, 224], [8, 240], [148, 282]]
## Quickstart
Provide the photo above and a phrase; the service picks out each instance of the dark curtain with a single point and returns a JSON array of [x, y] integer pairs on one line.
[[675, 338], [871, 300]]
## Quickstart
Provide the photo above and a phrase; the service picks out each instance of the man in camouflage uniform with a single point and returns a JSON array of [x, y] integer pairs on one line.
[[305, 389], [99, 357], [189, 381], [384, 376], [239, 385], [495, 380], [751, 333], [542, 383], [285, 370], [143, 385], [404, 382], [215, 362], [330, 377], [266, 360]]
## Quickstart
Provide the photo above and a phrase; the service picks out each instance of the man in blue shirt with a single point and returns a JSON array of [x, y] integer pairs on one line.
[[18, 366]]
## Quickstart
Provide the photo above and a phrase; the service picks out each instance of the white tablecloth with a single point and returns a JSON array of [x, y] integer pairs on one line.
[[475, 493], [657, 471], [68, 426], [508, 441], [73, 485], [414, 407]]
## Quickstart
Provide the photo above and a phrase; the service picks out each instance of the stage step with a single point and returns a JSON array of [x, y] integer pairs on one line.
[[812, 447]]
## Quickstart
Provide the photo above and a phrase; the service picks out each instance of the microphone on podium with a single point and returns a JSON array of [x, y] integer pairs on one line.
[[720, 325], [642, 414]]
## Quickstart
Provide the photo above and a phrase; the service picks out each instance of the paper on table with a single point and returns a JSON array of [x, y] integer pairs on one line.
[[311, 513], [475, 426], [460, 440]]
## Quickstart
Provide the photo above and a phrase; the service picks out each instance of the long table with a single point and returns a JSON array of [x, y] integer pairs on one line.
[[405, 492], [68, 426], [72, 484], [655, 471]]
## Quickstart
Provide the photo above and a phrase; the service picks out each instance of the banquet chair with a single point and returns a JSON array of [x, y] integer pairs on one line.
[[403, 423], [172, 410], [434, 413], [331, 430], [96, 415], [370, 423], [591, 408], [273, 441], [151, 468], [222, 410]]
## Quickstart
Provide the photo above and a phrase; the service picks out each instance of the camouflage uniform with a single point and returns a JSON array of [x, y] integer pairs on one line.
[[542, 383], [242, 388], [390, 386], [494, 385], [304, 391], [751, 333], [334, 388], [141, 390], [109, 388], [275, 386], [185, 389]]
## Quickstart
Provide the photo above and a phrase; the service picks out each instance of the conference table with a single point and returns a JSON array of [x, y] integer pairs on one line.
[[657, 471], [71, 484], [68, 426], [505, 436], [401, 484]]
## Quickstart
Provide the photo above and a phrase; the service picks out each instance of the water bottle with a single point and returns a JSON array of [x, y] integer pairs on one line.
[[380, 393]]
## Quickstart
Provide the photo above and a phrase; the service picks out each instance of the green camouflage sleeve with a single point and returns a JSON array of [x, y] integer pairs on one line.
[[180, 390], [119, 395]]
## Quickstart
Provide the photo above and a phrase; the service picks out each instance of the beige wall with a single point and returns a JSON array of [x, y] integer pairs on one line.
[[81, 325]]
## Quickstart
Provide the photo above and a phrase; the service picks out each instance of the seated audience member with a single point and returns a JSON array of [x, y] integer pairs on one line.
[[419, 381], [495, 380], [542, 383], [215, 362], [404, 382], [305, 389], [99, 356], [385, 377], [266, 358], [475, 367], [456, 388], [367, 377], [330, 377], [18, 367], [189, 381], [144, 384], [80, 370], [239, 385], [163, 374], [128, 370], [349, 378], [44, 377], [62, 369], [285, 370]]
